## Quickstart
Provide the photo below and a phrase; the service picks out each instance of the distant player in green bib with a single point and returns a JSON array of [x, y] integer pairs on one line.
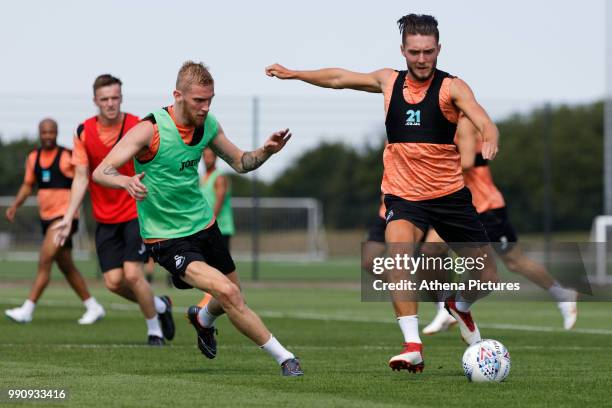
[[176, 223], [217, 191]]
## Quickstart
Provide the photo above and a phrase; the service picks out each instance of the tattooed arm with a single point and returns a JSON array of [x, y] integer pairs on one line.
[[106, 174], [243, 162]]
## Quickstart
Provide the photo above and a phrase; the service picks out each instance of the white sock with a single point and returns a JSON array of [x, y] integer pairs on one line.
[[153, 328], [28, 306], [410, 328], [160, 306], [91, 302], [461, 304], [277, 351], [560, 293], [440, 305], [206, 318]]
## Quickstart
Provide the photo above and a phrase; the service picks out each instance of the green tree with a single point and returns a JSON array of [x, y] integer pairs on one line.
[[12, 164]]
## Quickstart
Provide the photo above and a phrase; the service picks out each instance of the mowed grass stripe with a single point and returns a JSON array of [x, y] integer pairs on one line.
[[329, 317]]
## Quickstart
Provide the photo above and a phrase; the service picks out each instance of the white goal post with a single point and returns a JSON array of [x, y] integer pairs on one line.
[[599, 236]]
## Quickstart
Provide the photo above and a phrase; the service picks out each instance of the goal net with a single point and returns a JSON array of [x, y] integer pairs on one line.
[[272, 228], [278, 229]]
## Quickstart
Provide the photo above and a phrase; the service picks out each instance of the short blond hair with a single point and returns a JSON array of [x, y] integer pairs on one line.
[[193, 73]]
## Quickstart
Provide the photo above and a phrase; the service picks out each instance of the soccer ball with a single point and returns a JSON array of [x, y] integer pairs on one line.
[[486, 361]]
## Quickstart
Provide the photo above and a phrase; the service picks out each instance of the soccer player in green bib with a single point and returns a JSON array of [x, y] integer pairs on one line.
[[176, 222]]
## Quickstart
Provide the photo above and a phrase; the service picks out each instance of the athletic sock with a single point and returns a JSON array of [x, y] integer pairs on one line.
[[440, 305], [153, 328], [28, 306], [276, 350], [205, 318], [160, 306], [90, 302], [560, 293], [461, 304], [409, 325]]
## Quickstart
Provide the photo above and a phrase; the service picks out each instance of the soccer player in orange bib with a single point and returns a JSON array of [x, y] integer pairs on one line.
[[121, 251], [49, 168], [491, 208], [422, 180]]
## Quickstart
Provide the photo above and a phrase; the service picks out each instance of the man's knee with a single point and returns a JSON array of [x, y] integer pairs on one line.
[[229, 295], [133, 273], [489, 273], [113, 283]]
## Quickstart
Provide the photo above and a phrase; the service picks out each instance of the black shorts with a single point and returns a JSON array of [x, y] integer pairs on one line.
[[226, 240], [118, 243], [45, 224], [453, 216], [205, 246], [376, 233], [499, 229]]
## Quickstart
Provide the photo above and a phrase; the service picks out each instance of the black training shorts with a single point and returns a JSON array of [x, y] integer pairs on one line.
[[453, 216], [499, 229], [206, 246], [376, 233], [118, 243]]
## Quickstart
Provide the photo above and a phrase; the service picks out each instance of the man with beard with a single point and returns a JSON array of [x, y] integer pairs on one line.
[[422, 181], [176, 222]]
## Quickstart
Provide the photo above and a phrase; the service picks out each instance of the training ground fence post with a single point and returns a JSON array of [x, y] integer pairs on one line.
[[255, 194]]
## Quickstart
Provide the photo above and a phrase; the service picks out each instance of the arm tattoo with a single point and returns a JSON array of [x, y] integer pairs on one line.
[[224, 156], [251, 161], [110, 171]]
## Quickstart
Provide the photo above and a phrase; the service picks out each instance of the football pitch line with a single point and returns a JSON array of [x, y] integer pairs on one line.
[[333, 317], [297, 346]]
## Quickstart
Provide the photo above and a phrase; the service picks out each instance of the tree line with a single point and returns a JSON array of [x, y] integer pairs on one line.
[[347, 179]]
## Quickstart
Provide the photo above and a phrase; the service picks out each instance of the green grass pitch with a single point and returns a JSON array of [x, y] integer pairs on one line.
[[344, 346]]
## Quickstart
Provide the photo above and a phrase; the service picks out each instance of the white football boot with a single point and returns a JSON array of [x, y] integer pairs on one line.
[[442, 322], [92, 315], [18, 315], [569, 311]]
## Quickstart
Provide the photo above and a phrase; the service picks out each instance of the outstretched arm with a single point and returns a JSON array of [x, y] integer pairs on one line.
[[463, 97], [243, 162], [336, 78], [107, 173]]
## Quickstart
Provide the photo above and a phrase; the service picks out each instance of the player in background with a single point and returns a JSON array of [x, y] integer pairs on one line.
[[49, 169], [491, 208], [422, 179], [177, 224], [149, 269], [217, 191], [119, 247]]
